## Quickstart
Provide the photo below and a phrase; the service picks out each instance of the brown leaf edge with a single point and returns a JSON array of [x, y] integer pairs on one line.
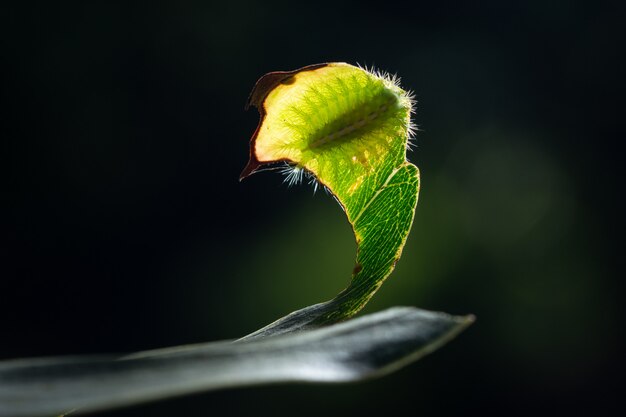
[[261, 90]]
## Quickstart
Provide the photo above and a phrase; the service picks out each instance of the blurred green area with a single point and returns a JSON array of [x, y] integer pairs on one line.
[[127, 229]]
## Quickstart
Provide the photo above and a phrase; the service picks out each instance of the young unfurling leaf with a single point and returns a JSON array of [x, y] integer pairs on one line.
[[349, 128]]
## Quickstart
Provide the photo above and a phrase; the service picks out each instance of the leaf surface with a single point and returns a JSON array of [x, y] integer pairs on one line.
[[348, 128], [365, 347]]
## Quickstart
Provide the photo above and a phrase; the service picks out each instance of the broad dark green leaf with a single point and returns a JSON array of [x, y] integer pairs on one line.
[[365, 347]]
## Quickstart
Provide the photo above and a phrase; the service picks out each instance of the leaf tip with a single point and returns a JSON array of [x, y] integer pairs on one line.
[[269, 81], [467, 320], [249, 169]]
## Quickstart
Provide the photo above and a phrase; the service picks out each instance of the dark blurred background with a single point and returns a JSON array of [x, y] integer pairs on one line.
[[126, 227]]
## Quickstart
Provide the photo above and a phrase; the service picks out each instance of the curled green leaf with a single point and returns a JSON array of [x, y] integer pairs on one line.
[[349, 129]]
